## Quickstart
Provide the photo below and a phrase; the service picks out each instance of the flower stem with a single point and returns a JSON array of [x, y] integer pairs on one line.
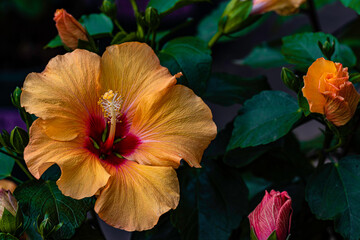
[[18, 162], [214, 39], [119, 26], [137, 15], [16, 179], [313, 16]]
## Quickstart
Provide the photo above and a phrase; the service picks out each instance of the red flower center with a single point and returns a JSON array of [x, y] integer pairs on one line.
[[124, 143]]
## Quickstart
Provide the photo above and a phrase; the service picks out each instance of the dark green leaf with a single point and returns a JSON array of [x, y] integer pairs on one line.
[[7, 164], [302, 50], [213, 200], [36, 198], [255, 184], [55, 42], [333, 193], [52, 173], [264, 57], [165, 7], [7, 236], [192, 57], [321, 3], [265, 118], [354, 4], [97, 24], [226, 89]]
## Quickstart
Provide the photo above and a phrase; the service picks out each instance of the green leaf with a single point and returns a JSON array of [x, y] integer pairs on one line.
[[97, 24], [192, 57], [333, 194], [7, 236], [55, 42], [321, 3], [302, 50], [265, 118], [165, 7], [354, 4], [6, 163], [36, 198], [263, 57], [226, 89], [213, 200]]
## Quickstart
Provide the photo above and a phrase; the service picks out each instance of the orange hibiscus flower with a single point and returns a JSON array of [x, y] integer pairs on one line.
[[281, 7], [329, 91], [117, 126]]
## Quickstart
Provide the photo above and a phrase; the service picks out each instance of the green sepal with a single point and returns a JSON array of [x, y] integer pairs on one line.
[[253, 235], [291, 80], [5, 139], [45, 227], [11, 224], [327, 48], [15, 97], [19, 139], [272, 236]]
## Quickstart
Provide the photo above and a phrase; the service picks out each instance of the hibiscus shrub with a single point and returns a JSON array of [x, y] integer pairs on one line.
[[120, 128]]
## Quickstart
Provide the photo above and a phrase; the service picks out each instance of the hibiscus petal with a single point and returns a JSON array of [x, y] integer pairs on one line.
[[313, 80], [137, 195], [133, 70], [64, 93], [172, 125], [82, 173]]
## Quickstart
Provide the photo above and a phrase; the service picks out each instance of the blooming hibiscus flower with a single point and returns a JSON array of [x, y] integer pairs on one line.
[[117, 126]]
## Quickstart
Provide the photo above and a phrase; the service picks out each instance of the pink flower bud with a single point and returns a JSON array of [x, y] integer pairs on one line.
[[273, 213], [70, 30], [8, 202]]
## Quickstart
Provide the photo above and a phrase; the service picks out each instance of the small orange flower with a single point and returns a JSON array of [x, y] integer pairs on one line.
[[329, 91], [70, 30], [281, 7], [117, 126], [7, 185]]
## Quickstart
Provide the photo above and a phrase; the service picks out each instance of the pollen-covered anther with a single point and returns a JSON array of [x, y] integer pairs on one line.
[[110, 104]]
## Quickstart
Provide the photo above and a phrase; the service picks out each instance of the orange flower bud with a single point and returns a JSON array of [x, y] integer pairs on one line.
[[70, 30], [7, 185], [329, 92], [281, 7]]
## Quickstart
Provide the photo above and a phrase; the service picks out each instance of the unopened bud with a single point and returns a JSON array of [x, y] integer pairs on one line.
[[235, 13], [70, 30], [290, 79], [19, 139], [45, 227], [108, 7], [327, 48], [10, 221], [15, 97], [152, 18]]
